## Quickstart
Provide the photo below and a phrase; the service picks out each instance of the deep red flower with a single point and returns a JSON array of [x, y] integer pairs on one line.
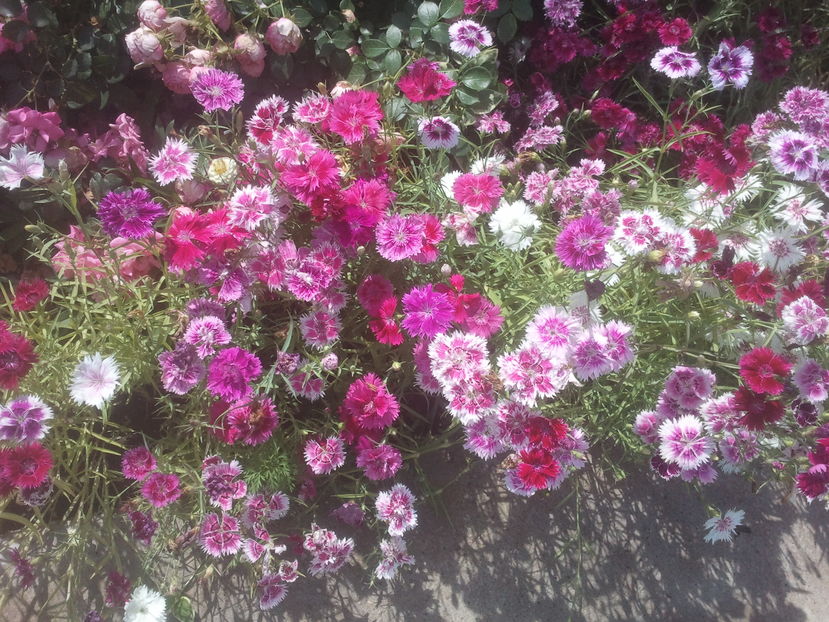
[[758, 410], [770, 20], [29, 293], [810, 288], [386, 328], [546, 433], [752, 284], [26, 466], [707, 244], [675, 32], [423, 82], [537, 468], [607, 114], [761, 368], [16, 358]]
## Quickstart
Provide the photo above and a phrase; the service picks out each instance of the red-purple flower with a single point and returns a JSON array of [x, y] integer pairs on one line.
[[752, 284], [762, 369], [757, 410], [380, 461], [25, 466], [16, 358], [137, 463], [428, 312], [29, 293]]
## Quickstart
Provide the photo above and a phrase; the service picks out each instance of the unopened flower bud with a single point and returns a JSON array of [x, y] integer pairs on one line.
[[283, 36]]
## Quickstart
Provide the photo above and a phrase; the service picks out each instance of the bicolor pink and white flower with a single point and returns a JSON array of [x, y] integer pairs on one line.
[[438, 133], [731, 65], [683, 441], [19, 165], [675, 64], [722, 528], [175, 162], [467, 37], [396, 507]]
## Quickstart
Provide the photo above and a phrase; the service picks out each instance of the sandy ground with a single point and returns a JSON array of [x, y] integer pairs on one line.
[[596, 550]]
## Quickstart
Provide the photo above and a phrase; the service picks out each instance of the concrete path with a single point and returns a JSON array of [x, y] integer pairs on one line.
[[596, 550]]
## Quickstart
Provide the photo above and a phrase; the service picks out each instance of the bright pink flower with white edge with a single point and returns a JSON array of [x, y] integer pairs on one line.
[[478, 193], [266, 118], [396, 507], [220, 536], [175, 162], [456, 357], [319, 328], [683, 441], [325, 455], [530, 373], [161, 489]]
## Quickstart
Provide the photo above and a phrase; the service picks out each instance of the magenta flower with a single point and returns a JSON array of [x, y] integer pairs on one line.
[[731, 65], [481, 193], [690, 386], [161, 489], [380, 462], [325, 455], [230, 373], [319, 328], [590, 356], [217, 90], [354, 115], [427, 312], [684, 442], [399, 237], [220, 536], [266, 118], [137, 463], [582, 244], [369, 404], [129, 214], [252, 421], [562, 13], [329, 552]]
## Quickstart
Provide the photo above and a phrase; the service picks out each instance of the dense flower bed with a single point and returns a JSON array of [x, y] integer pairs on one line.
[[290, 300]]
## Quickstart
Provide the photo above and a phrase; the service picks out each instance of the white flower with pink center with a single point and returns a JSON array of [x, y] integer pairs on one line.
[[794, 208], [530, 374], [553, 329], [457, 356], [175, 162], [723, 527], [779, 249], [396, 507], [637, 232], [683, 441], [21, 164], [677, 246]]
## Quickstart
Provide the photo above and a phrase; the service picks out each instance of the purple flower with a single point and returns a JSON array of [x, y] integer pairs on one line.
[[200, 307], [730, 65], [220, 482], [23, 420], [231, 373], [427, 312], [181, 369], [217, 90], [438, 133], [129, 214], [793, 153], [563, 13], [143, 526], [582, 244], [675, 64], [468, 37]]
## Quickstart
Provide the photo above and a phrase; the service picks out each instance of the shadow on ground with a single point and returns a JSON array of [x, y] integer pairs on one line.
[[596, 550]]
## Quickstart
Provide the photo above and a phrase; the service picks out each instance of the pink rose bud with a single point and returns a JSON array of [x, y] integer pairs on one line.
[[176, 77], [144, 46], [152, 15], [283, 36], [217, 12]]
